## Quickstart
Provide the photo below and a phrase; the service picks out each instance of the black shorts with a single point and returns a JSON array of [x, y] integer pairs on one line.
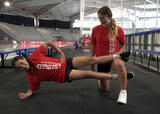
[[69, 67], [104, 67]]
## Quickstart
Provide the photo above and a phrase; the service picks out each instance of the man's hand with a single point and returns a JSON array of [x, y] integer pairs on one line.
[[25, 95], [22, 95], [62, 57]]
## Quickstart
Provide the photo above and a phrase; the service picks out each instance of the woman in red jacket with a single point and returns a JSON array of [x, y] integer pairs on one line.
[[108, 39]]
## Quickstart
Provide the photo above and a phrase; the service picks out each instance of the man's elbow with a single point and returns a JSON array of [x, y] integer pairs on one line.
[[47, 43]]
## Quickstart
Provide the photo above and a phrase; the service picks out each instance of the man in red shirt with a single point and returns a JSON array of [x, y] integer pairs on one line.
[[108, 39], [41, 68]]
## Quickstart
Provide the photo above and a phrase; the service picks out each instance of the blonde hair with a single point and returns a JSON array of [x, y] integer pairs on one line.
[[113, 29]]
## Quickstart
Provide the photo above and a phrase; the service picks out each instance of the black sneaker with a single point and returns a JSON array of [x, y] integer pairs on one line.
[[130, 75], [125, 56]]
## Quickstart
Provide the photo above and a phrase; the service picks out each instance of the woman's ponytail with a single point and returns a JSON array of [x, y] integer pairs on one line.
[[113, 30]]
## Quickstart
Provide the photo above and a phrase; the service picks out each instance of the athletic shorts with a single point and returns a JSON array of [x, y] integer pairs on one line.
[[104, 67], [69, 67]]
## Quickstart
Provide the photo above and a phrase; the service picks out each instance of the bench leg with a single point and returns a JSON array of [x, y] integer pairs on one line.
[[157, 63], [149, 60], [141, 58], [2, 60], [135, 57]]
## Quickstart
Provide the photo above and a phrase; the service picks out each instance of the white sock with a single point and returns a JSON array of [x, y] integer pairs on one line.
[[115, 56], [114, 76], [124, 91]]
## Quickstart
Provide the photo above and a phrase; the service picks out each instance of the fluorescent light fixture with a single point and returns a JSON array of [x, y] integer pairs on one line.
[[7, 3], [149, 6]]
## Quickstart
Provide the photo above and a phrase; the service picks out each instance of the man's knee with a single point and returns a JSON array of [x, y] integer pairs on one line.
[[104, 89], [119, 65], [104, 85]]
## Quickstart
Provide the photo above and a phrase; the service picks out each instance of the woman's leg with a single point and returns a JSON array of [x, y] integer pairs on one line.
[[104, 85], [86, 61], [81, 74], [119, 66]]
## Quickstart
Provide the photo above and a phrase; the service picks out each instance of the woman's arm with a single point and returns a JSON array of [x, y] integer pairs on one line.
[[122, 48], [25, 95], [92, 48], [50, 43]]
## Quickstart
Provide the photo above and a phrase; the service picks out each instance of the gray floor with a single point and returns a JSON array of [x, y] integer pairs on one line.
[[79, 97]]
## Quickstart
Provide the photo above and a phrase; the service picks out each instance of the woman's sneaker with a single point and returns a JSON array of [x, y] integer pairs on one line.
[[122, 99], [125, 56]]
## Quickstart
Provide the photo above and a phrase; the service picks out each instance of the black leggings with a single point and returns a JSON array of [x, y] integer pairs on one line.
[[69, 67], [104, 67]]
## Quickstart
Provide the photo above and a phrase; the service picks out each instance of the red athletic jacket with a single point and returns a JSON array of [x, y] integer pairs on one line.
[[104, 44], [44, 69]]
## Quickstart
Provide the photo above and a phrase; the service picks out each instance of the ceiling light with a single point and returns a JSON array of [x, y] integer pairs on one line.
[[7, 3]]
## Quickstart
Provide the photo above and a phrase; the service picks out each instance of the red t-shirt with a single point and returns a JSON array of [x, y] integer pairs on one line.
[[44, 69], [104, 44]]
